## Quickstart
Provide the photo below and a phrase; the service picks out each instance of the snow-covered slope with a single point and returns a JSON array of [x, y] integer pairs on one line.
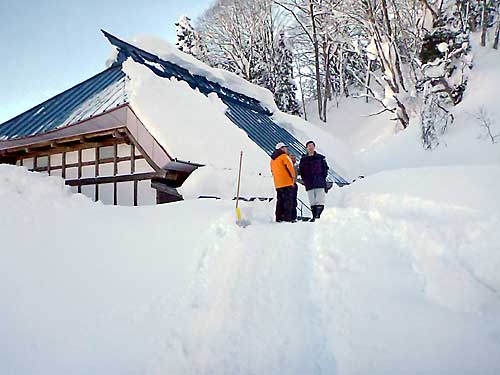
[[376, 146], [399, 277]]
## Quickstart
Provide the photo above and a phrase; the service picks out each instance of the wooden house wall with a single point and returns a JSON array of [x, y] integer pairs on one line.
[[122, 162]]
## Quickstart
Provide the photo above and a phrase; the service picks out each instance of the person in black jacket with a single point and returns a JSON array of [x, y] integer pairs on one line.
[[313, 170]]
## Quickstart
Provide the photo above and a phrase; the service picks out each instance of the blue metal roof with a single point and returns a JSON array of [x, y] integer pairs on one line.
[[266, 134], [247, 113], [166, 69], [98, 94]]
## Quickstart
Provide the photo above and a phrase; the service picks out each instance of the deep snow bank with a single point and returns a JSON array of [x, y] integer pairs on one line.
[[396, 278]]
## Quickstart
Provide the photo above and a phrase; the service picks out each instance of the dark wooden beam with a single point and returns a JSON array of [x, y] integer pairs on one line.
[[96, 188], [115, 172], [79, 169], [79, 139], [111, 179], [63, 166]]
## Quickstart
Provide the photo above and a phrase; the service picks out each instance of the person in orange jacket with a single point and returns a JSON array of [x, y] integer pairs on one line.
[[284, 181]]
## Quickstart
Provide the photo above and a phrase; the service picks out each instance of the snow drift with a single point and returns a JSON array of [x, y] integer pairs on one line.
[[396, 278]]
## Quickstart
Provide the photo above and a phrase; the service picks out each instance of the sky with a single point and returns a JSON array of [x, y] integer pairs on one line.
[[47, 47]]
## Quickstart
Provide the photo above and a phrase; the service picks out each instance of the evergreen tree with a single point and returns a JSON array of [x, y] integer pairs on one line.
[[188, 40], [285, 88]]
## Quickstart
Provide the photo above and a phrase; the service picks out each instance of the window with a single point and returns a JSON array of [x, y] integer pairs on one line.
[[42, 162], [88, 171], [124, 167], [56, 160], [107, 169], [89, 191], [88, 155], [28, 163], [123, 150], [71, 173], [142, 166], [72, 157], [125, 192], [107, 152], [106, 193]]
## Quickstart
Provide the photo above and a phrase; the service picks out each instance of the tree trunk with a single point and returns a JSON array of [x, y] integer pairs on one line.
[[316, 58], [326, 57], [484, 24], [368, 76], [497, 35], [302, 94]]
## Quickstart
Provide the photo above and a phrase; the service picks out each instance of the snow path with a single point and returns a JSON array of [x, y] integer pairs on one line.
[[394, 279], [252, 289]]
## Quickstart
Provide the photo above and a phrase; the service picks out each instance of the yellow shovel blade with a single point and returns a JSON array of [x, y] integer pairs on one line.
[[238, 213]]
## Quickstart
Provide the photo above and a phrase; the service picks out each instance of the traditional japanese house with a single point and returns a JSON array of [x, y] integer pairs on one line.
[[90, 135]]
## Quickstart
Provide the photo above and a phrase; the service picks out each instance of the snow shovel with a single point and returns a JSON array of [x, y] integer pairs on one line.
[[238, 211], [241, 223]]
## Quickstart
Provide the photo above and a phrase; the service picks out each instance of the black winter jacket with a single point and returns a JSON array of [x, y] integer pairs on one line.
[[313, 170]]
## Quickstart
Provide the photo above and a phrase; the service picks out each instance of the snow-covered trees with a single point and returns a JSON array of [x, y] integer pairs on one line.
[[445, 60], [410, 56], [245, 37], [188, 40], [285, 89], [237, 34]]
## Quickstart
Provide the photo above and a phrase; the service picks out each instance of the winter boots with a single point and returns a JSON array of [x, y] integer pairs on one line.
[[316, 212], [319, 211]]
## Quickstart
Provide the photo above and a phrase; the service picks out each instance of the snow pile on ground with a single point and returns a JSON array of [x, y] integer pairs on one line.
[[20, 188], [399, 276]]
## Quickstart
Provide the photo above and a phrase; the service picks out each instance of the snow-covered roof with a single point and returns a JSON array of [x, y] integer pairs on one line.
[[246, 105], [163, 87]]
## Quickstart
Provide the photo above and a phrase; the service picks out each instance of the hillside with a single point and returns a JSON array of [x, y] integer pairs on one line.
[[376, 145]]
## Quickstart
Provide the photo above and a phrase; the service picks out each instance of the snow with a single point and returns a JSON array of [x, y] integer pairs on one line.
[[376, 145], [395, 278], [371, 50], [193, 127], [168, 52], [443, 47], [399, 276]]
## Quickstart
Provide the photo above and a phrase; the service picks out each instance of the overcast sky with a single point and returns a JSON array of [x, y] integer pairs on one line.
[[48, 46]]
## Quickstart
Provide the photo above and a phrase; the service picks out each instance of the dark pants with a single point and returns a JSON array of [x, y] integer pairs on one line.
[[294, 202], [286, 204]]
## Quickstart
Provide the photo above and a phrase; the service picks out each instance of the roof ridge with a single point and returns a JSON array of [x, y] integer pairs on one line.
[[196, 81]]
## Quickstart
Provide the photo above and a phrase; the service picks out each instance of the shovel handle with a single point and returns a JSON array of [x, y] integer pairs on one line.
[[239, 181]]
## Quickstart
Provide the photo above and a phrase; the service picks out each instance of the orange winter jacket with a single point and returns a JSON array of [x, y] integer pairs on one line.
[[282, 169]]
